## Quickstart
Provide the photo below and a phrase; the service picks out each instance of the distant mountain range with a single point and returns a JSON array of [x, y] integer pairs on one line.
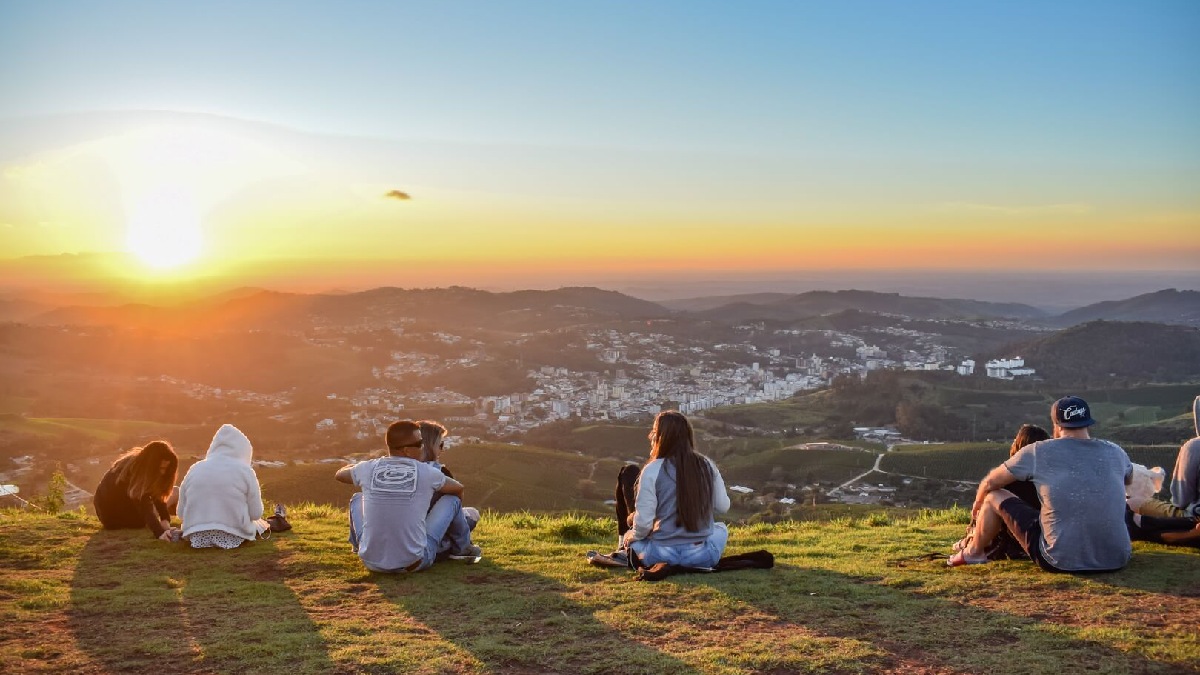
[[1167, 306], [455, 306], [252, 308], [816, 303]]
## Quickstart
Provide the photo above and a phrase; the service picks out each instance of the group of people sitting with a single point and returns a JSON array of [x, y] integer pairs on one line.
[[218, 503], [1059, 500], [408, 514], [1062, 501]]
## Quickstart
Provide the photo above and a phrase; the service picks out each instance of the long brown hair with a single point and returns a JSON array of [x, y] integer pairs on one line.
[[141, 470], [432, 437], [672, 440], [1028, 433]]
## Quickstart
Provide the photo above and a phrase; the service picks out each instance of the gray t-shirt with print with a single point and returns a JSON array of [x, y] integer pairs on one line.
[[396, 495], [1081, 483]]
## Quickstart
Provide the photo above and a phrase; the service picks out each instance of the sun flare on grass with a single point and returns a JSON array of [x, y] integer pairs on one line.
[[163, 230]]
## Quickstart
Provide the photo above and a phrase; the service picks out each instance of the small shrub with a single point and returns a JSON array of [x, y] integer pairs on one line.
[[55, 498], [955, 515], [524, 521], [316, 511], [760, 528], [577, 528], [878, 519]]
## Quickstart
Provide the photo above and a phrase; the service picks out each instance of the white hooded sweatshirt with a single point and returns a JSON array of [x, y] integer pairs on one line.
[[220, 492]]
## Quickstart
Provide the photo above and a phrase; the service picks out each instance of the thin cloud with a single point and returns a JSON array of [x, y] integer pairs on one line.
[[396, 194], [1000, 210]]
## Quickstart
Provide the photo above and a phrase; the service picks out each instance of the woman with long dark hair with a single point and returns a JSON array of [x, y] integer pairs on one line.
[[138, 490], [1028, 434], [678, 493]]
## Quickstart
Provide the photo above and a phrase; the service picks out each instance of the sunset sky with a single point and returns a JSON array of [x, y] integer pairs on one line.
[[437, 143]]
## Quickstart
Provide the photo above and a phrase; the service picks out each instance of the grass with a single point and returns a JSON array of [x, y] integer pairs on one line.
[[798, 466], [775, 415], [106, 430], [845, 597]]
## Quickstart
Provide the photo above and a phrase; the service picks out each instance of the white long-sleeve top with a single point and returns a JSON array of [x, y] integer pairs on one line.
[[655, 506]]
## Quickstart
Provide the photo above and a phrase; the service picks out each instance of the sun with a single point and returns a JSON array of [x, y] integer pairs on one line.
[[164, 229]]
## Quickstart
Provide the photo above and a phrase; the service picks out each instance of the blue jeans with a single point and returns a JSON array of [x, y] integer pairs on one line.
[[700, 554], [445, 521]]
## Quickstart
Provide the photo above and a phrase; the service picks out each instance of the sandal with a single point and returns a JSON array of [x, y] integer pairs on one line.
[[962, 543], [961, 558]]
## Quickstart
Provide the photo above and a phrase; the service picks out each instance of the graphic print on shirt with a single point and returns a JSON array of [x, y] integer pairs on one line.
[[398, 479]]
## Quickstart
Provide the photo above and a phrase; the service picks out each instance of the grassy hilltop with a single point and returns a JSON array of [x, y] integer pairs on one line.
[[842, 598]]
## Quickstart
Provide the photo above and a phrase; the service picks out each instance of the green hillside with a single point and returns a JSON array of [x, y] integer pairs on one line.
[[802, 467], [945, 407], [497, 476], [845, 597], [97, 429]]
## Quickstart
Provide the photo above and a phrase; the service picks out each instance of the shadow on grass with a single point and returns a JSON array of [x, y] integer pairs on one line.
[[917, 632], [518, 622], [1160, 569], [142, 606]]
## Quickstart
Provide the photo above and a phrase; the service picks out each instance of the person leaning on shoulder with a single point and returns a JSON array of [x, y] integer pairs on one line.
[[392, 527], [1081, 484]]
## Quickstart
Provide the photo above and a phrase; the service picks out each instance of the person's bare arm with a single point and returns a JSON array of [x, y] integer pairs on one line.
[[996, 479], [451, 487], [343, 474]]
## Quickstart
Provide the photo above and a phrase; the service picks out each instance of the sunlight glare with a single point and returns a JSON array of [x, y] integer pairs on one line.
[[164, 229]]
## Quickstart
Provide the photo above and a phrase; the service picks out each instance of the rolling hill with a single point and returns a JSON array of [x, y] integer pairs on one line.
[[1096, 352], [451, 307], [817, 303], [1165, 306]]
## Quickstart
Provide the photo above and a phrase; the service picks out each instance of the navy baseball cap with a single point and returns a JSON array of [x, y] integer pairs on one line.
[[1071, 412]]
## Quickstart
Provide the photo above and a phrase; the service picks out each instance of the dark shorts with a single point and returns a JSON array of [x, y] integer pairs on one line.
[[1025, 524]]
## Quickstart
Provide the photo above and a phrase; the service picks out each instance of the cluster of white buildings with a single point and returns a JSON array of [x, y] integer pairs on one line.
[[203, 392], [1008, 369]]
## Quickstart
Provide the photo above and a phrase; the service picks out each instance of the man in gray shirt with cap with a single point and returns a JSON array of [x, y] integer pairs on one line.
[[1081, 483]]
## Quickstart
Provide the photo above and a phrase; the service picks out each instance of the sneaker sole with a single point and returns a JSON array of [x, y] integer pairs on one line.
[[469, 559], [600, 560]]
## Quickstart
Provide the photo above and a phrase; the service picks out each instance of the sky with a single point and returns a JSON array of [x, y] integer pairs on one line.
[[435, 143]]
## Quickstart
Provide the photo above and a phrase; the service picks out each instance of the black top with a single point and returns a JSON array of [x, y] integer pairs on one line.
[[117, 510], [1027, 491]]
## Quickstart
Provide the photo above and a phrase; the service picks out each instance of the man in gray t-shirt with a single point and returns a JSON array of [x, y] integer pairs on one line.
[[1081, 483], [392, 527]]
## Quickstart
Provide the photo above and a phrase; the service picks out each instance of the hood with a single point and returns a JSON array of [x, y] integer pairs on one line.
[[230, 442], [1196, 414]]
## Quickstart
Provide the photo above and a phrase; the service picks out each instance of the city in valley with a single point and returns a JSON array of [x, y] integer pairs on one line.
[[838, 380]]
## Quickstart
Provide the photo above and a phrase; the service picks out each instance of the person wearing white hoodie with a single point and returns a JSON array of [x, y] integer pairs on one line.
[[220, 502], [1185, 480]]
